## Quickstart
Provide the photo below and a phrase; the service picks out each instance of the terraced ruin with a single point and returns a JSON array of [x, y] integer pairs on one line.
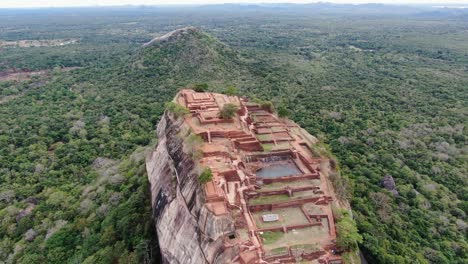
[[267, 177]]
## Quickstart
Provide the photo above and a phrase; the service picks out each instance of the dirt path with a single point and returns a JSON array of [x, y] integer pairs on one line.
[[23, 75], [14, 75]]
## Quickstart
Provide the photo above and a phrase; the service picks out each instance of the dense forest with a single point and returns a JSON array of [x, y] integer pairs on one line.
[[385, 88]]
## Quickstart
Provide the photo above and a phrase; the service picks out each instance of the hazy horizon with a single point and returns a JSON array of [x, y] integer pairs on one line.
[[96, 3]]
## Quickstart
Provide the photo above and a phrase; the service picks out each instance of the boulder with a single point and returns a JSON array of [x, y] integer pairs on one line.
[[389, 183]]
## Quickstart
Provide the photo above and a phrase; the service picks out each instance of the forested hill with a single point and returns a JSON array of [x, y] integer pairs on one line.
[[188, 55], [386, 92], [73, 143]]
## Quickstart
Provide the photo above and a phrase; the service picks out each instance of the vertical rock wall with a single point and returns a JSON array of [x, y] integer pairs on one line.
[[187, 231]]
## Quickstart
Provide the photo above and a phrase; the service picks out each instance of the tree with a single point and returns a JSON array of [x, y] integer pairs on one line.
[[228, 111], [231, 90], [193, 143], [347, 232], [177, 109], [267, 105], [205, 176], [200, 87], [283, 112]]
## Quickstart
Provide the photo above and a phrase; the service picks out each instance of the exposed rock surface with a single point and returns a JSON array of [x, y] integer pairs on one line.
[[187, 231], [389, 183], [172, 36], [25, 212], [30, 235]]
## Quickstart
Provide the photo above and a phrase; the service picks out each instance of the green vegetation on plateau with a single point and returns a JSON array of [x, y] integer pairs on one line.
[[176, 109], [385, 89], [228, 111], [205, 176]]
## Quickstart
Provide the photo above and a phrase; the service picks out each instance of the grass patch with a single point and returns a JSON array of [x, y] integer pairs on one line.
[[282, 185], [271, 237], [321, 150], [278, 129], [264, 137], [269, 199], [282, 145], [267, 147], [277, 251], [307, 248]]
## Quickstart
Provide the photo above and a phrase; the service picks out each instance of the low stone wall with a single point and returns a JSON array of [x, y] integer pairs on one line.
[[302, 189], [242, 110], [283, 153], [310, 176], [326, 200], [246, 138], [222, 134], [281, 259], [231, 175], [294, 203], [306, 162], [267, 125], [249, 146], [318, 216], [314, 255], [252, 195], [290, 257], [286, 191], [204, 136], [335, 261], [217, 154], [215, 121], [267, 141], [287, 228]]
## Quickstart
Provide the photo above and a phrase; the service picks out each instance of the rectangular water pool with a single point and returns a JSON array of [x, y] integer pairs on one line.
[[278, 169]]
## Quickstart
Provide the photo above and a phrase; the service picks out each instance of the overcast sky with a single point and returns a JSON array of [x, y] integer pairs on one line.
[[56, 3]]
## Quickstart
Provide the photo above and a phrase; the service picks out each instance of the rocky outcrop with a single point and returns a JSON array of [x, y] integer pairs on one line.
[[172, 36], [187, 231], [389, 183]]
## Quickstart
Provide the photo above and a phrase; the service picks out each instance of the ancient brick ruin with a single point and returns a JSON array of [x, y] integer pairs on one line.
[[267, 176]]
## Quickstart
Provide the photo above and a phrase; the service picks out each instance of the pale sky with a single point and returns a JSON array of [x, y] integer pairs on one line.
[[61, 3]]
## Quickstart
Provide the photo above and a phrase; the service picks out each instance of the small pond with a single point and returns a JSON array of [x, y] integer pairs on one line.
[[278, 169]]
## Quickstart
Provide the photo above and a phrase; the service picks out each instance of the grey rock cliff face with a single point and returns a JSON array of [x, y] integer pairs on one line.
[[187, 231]]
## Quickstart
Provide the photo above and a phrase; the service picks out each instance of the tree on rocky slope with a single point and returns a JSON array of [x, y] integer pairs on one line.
[[347, 232], [205, 176]]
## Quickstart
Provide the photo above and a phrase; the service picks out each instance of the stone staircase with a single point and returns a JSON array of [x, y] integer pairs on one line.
[[245, 141]]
